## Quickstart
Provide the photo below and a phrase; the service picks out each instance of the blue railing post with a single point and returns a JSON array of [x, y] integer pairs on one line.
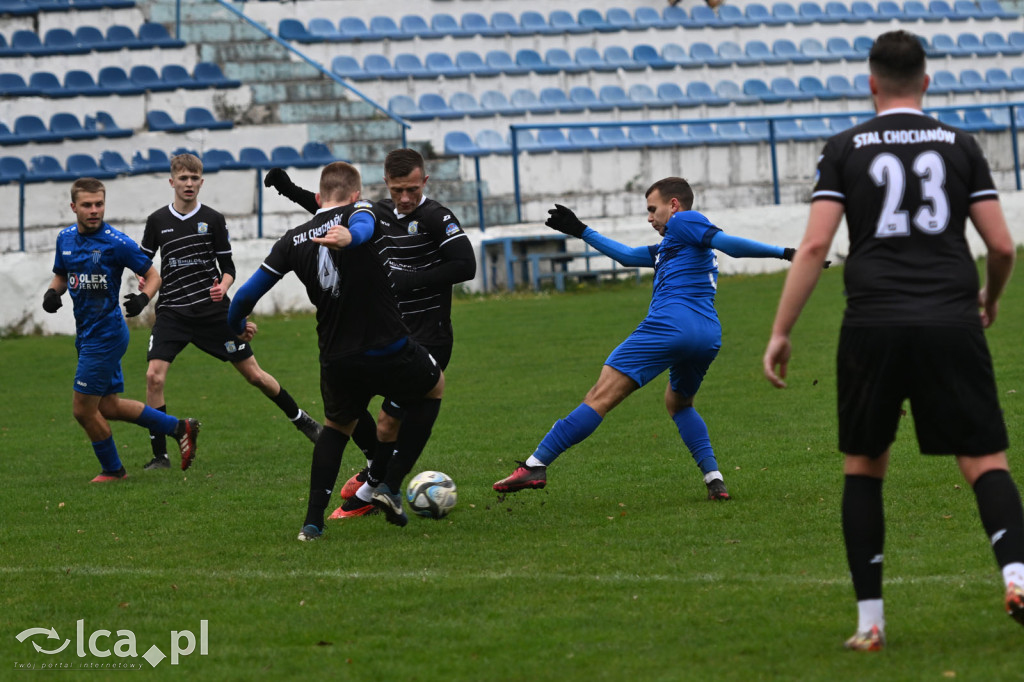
[[259, 203], [515, 173], [479, 194], [21, 215], [1013, 139], [177, 19], [775, 160]]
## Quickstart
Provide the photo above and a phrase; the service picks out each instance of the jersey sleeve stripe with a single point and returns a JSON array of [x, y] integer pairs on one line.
[[826, 194], [271, 270], [461, 234], [984, 194]]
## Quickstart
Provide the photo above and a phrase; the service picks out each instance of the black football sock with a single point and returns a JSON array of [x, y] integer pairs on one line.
[[158, 440], [365, 435], [864, 532], [412, 438], [379, 468], [1000, 509], [323, 473], [287, 404]]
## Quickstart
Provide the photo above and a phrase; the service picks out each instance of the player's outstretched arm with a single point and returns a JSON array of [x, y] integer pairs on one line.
[[279, 180], [246, 298], [565, 221]]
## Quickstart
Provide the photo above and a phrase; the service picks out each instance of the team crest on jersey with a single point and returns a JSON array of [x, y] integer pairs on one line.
[[96, 256], [451, 229], [414, 227], [203, 228], [363, 204], [230, 346]]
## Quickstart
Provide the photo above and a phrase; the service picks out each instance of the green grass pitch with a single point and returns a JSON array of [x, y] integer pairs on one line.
[[619, 569]]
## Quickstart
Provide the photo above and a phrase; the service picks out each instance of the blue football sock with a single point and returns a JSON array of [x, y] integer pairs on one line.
[[106, 453], [157, 421], [694, 433], [567, 432]]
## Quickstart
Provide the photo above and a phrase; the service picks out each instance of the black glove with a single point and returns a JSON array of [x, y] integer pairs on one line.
[[51, 301], [565, 221], [276, 178], [789, 252], [135, 304]]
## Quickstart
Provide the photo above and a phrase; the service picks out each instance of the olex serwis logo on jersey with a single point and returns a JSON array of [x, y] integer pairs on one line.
[[117, 650], [86, 281]]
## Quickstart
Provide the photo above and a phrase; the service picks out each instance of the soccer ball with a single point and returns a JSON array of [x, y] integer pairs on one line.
[[431, 494]]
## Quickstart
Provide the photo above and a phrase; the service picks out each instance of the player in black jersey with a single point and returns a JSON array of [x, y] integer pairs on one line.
[[427, 253], [197, 272], [912, 328], [365, 348]]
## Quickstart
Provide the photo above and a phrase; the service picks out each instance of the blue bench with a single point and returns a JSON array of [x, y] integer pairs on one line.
[[535, 259]]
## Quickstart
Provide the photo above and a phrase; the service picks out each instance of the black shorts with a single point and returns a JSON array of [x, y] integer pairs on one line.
[[945, 372], [348, 383], [442, 355], [171, 333]]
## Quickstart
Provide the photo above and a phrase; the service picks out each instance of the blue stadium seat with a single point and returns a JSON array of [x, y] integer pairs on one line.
[[80, 83], [675, 16], [46, 83], [62, 41], [415, 26], [496, 102], [785, 13], [647, 56], [475, 24], [812, 13], [294, 30], [561, 61], [837, 124], [534, 23], [614, 138], [943, 45], [457, 142], [1015, 39], [103, 123], [155, 161], [286, 156], [317, 154], [385, 28], [46, 168], [553, 140], [377, 66], [817, 128], [993, 10], [998, 79], [731, 52], [838, 12], [860, 85], [564, 22], [755, 87], [943, 10], [592, 20], [644, 136], [504, 23], [121, 37], [591, 60], [759, 15], [254, 157], [580, 139], [620, 19], [525, 140], [862, 46], [703, 53], [177, 76], [440, 64], [972, 81], [92, 38], [841, 48], [616, 97], [970, 43], [113, 162], [889, 11], [731, 91], [84, 165], [7, 137], [914, 10], [732, 133], [152, 34], [13, 85], [758, 52], [968, 10], [702, 16], [840, 87], [17, 8], [349, 29], [674, 135], [13, 168], [472, 64], [813, 50], [703, 133], [733, 16], [147, 78], [404, 106], [979, 120], [559, 101], [409, 65], [325, 30], [585, 97], [864, 11], [673, 95], [618, 57], [432, 105], [677, 55], [999, 44], [491, 142], [530, 60], [161, 121], [465, 104], [788, 53], [215, 160], [701, 93], [525, 100], [114, 80], [503, 62], [642, 93], [26, 42], [813, 88], [66, 126], [445, 25], [29, 128], [786, 90], [943, 82], [208, 74], [200, 117], [648, 17]]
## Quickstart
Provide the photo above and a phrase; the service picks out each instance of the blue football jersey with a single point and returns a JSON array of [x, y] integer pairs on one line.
[[93, 265], [685, 266]]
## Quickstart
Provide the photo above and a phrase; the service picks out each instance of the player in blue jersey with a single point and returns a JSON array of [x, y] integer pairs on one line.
[[681, 332], [91, 257]]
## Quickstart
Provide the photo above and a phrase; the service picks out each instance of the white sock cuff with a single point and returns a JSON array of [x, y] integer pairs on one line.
[[1013, 573], [713, 476]]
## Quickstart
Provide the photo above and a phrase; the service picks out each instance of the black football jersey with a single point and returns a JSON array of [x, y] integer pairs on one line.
[[906, 182], [355, 309], [417, 242], [189, 246]]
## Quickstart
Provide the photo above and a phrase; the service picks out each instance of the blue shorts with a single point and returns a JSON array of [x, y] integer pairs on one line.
[[685, 347], [99, 369]]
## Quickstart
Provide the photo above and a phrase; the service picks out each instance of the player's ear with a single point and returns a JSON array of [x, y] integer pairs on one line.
[[927, 80], [873, 84], [318, 202], [425, 178]]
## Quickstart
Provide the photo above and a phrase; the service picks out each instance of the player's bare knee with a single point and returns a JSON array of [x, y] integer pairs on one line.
[[387, 428]]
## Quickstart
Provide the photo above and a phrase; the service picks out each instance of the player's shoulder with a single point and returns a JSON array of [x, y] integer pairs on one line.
[[207, 212], [437, 212], [160, 214]]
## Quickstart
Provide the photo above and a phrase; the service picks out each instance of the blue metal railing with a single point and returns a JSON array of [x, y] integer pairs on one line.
[[772, 137]]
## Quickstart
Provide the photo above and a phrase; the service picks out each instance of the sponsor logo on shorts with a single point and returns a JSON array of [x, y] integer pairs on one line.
[[80, 382], [65, 253], [230, 347], [451, 229], [203, 228], [414, 227]]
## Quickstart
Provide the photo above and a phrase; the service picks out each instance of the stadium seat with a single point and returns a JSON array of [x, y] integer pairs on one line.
[[209, 75], [758, 52], [294, 30], [913, 10], [732, 16], [404, 106], [993, 10], [676, 16], [415, 26], [200, 117], [701, 93], [559, 101], [620, 19], [943, 82], [702, 16], [432, 105], [410, 66], [120, 37], [155, 161], [475, 24], [579, 139], [618, 57], [672, 95], [585, 97], [972, 81], [730, 90], [491, 142], [317, 154], [785, 89], [648, 17], [889, 11], [838, 12], [215, 160], [377, 66], [84, 165], [553, 140], [385, 28], [12, 168], [817, 128], [703, 133], [457, 142], [147, 78], [534, 23], [789, 53], [7, 137], [103, 123], [497, 103], [62, 41], [943, 10], [47, 84], [616, 97], [999, 44], [66, 126], [349, 29], [564, 22], [113, 162], [755, 87], [731, 52], [592, 20], [561, 61], [759, 15], [841, 49], [647, 56], [26, 43], [971, 44], [465, 104], [159, 120], [526, 101], [813, 50], [642, 93], [998, 79], [812, 13], [864, 11], [784, 13], [502, 62], [862, 46], [944, 45], [530, 60], [644, 136], [440, 64], [114, 80], [614, 138], [253, 157], [677, 55], [152, 34], [13, 85], [177, 76], [591, 60], [525, 140], [813, 88], [505, 24], [674, 135], [324, 30], [732, 133], [92, 39], [80, 83], [46, 168], [29, 128], [286, 156], [703, 53], [968, 10], [345, 66]]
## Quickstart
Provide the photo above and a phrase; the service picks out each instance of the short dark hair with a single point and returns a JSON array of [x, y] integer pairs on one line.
[[90, 185], [338, 180], [897, 61], [673, 188], [189, 163], [402, 162]]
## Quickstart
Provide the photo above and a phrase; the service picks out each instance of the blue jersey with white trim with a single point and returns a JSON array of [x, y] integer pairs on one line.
[[685, 266], [93, 265], [906, 182]]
